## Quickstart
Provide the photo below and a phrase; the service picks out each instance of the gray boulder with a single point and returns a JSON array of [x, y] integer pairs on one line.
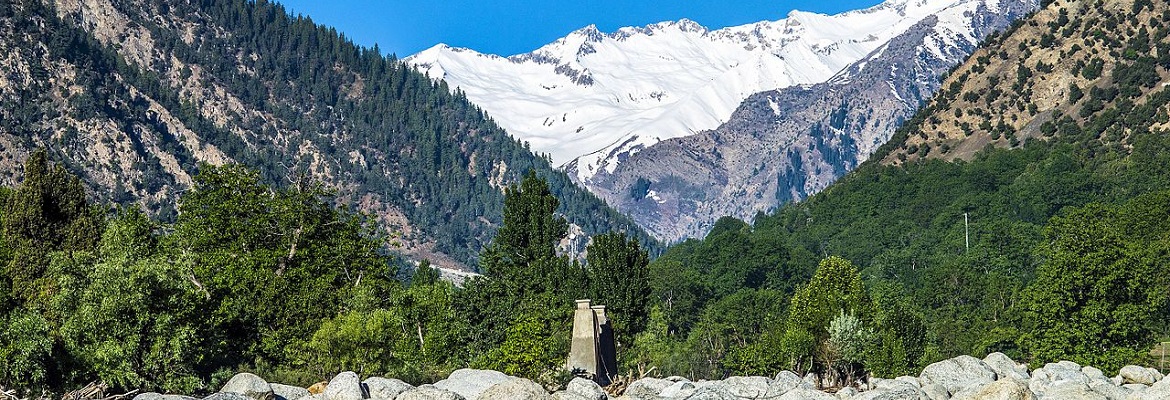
[[471, 383], [847, 393], [1160, 390], [1108, 389], [160, 396], [1093, 373], [1005, 367], [1136, 374], [345, 386], [1002, 389], [427, 392], [584, 389], [226, 396], [806, 394], [711, 392], [680, 389], [934, 391], [786, 381], [749, 387], [1069, 390], [250, 386], [958, 373], [288, 392], [647, 388], [384, 388], [891, 389], [515, 389]]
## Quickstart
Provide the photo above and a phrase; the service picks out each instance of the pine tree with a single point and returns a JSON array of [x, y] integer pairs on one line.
[[619, 279]]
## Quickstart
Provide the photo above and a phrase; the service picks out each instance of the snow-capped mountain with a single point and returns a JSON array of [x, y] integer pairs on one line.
[[786, 144], [591, 99]]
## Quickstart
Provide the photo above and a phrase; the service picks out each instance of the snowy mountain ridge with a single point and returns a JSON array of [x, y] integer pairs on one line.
[[592, 99]]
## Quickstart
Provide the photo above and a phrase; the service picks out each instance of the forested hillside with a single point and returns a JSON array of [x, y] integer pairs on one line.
[[1066, 201], [134, 95]]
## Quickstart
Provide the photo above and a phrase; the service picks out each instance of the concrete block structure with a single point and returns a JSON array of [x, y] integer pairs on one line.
[[592, 354]]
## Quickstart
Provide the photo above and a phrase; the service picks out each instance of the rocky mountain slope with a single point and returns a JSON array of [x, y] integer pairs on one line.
[[592, 99], [134, 95], [994, 377], [1098, 65], [785, 144]]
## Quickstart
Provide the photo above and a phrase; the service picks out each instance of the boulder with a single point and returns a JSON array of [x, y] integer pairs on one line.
[[1005, 367], [585, 389], [846, 393], [160, 396], [515, 389], [749, 387], [806, 394], [958, 373], [226, 396], [1160, 390], [934, 391], [890, 389], [250, 386], [647, 388], [1136, 374], [427, 392], [711, 392], [786, 381], [287, 392], [471, 383], [1072, 391], [345, 386], [680, 389], [1093, 374], [1108, 389], [384, 388], [1002, 389]]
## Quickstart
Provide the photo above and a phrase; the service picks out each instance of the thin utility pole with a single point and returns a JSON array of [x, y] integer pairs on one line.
[[967, 231]]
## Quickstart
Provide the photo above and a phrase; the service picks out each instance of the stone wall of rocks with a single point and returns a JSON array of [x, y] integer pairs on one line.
[[995, 377]]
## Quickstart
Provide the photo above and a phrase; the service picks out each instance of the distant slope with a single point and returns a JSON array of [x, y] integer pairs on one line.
[[133, 95], [785, 144], [592, 99]]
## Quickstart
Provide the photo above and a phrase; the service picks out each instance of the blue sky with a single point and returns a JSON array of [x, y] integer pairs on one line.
[[509, 27]]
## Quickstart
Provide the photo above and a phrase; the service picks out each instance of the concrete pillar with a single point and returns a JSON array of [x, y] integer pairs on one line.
[[583, 358]]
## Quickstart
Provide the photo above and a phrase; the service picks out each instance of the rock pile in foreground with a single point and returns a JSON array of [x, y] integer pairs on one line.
[[995, 377]]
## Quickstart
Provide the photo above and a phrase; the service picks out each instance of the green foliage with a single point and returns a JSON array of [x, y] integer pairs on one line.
[[47, 212], [26, 348], [1099, 290]]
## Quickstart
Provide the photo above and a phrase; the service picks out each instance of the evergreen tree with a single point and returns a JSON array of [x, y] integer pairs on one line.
[[48, 212], [619, 279]]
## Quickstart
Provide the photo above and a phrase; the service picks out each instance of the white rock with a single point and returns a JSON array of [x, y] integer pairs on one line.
[[384, 388], [250, 386], [471, 383], [647, 388], [958, 373], [1005, 367], [345, 386], [678, 390], [586, 389], [288, 392], [1136, 374], [806, 394], [515, 389], [428, 392], [1002, 389]]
